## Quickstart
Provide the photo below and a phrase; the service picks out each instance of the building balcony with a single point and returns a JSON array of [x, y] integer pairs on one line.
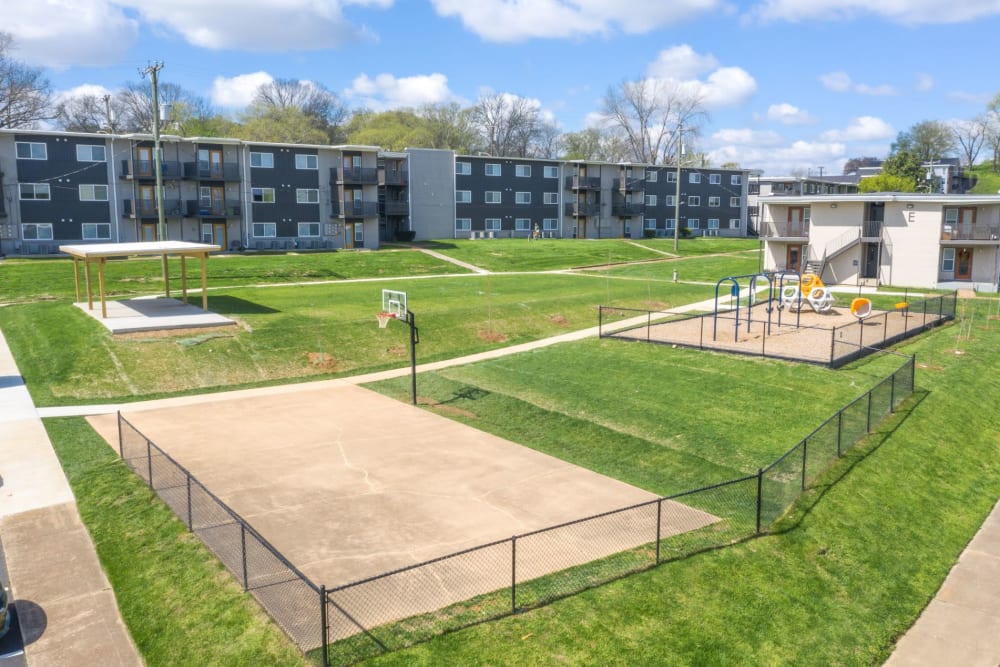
[[582, 210], [791, 231], [583, 183], [631, 184], [623, 210], [147, 209], [871, 230], [394, 177], [396, 208], [358, 209], [988, 234], [205, 171], [354, 176], [199, 209], [142, 170]]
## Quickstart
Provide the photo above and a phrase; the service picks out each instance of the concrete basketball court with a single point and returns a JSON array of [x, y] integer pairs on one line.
[[348, 483]]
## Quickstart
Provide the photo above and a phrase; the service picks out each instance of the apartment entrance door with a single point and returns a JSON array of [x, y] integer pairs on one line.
[[793, 258], [144, 161], [963, 264], [796, 221], [147, 232], [214, 233]]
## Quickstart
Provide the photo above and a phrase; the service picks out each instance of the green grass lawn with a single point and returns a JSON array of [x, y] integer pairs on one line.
[[987, 180]]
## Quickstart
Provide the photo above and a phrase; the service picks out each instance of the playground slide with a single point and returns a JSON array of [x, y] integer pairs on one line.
[[810, 290]]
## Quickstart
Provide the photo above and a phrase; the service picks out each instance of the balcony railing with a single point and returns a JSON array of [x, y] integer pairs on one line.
[[582, 210], [358, 209], [147, 209], [794, 230], [358, 175], [872, 229], [970, 232], [397, 208], [397, 177], [583, 183], [623, 210], [206, 171], [199, 209], [628, 184], [146, 169]]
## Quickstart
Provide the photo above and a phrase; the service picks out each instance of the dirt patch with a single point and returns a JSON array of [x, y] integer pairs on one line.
[[176, 334], [321, 360], [492, 336], [446, 409], [656, 305], [559, 320]]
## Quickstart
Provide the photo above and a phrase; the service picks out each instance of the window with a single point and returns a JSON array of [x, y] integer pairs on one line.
[[715, 179], [651, 175], [550, 172], [671, 177], [670, 200], [492, 169], [734, 223], [715, 201], [305, 161], [96, 231], [713, 223], [493, 224], [463, 224], [93, 193], [650, 200], [736, 179], [30, 150], [735, 202], [550, 198], [263, 160], [37, 231], [694, 223], [265, 229], [359, 235], [522, 170], [950, 216], [262, 195], [948, 259], [308, 229], [522, 224], [550, 224], [90, 153], [463, 169], [307, 196], [522, 197], [649, 223], [694, 200], [493, 197], [463, 196], [670, 223], [694, 177], [36, 191]]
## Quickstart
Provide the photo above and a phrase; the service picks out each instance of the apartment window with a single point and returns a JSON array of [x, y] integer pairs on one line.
[[694, 177], [670, 200], [305, 161], [493, 224], [522, 170], [694, 223], [522, 197], [950, 216], [267, 230], [359, 235], [308, 229], [463, 196], [649, 223], [713, 223], [522, 224], [715, 179], [37, 231], [492, 169], [736, 179], [670, 223], [463, 224], [948, 259], [694, 200], [31, 150], [651, 175], [493, 197], [734, 223], [96, 231], [715, 201], [650, 200], [735, 202], [550, 198], [35, 191], [550, 172], [90, 153], [671, 176], [463, 169], [307, 196], [262, 160], [550, 224], [93, 193], [262, 195]]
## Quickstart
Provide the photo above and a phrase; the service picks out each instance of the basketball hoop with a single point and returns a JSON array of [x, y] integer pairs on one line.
[[383, 319]]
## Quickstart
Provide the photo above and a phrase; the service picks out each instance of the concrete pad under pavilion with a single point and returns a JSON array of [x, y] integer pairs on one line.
[[154, 314]]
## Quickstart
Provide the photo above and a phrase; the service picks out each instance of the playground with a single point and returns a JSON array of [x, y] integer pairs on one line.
[[786, 315]]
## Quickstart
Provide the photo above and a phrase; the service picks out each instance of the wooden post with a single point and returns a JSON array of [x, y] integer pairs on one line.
[[204, 281], [76, 277], [166, 276], [100, 284], [90, 288], [184, 279]]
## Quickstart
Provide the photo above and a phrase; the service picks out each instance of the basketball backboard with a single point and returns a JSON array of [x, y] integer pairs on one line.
[[394, 302]]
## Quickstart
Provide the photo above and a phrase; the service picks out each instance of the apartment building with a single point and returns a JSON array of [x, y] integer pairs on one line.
[[765, 186], [905, 239]]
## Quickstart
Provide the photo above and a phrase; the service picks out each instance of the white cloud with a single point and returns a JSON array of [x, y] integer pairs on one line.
[[681, 62], [862, 128], [789, 114], [386, 91], [925, 82], [238, 91], [85, 89], [906, 12], [518, 20], [679, 66], [970, 98], [779, 161], [841, 82], [747, 137]]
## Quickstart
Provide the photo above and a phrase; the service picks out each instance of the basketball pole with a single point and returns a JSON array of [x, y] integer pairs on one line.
[[413, 355]]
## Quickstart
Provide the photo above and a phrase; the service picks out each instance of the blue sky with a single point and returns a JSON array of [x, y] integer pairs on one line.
[[789, 84]]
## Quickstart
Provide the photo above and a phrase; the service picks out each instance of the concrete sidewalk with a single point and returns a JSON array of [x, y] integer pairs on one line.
[[66, 607]]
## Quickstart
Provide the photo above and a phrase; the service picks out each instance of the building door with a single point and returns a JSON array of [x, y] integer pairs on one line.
[[349, 235], [214, 233], [967, 225], [147, 200], [215, 164], [144, 161], [147, 232], [963, 262], [871, 260], [796, 221], [793, 258]]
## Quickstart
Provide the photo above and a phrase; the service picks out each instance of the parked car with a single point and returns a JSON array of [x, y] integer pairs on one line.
[[4, 615]]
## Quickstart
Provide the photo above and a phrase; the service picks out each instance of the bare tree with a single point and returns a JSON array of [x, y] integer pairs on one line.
[[508, 124], [648, 113], [89, 113], [970, 136], [25, 95], [134, 103], [993, 130], [312, 99]]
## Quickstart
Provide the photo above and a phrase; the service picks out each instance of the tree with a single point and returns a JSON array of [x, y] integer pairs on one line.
[[89, 113], [393, 130], [510, 125], [450, 126], [586, 144], [970, 135], [856, 163], [135, 105], [887, 183], [25, 95], [313, 100], [286, 126], [929, 141], [906, 166], [992, 137], [648, 113]]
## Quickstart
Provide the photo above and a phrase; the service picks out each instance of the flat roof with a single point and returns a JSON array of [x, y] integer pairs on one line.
[[93, 250], [899, 197]]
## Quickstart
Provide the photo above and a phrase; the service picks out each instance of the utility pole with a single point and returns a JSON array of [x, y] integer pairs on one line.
[[161, 224], [677, 187]]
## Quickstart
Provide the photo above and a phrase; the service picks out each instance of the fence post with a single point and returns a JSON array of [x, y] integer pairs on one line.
[[760, 492], [840, 430], [149, 462], [121, 439], [513, 574], [190, 522], [805, 448], [243, 547], [913, 373], [833, 343], [892, 394], [324, 632], [659, 515], [868, 424]]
